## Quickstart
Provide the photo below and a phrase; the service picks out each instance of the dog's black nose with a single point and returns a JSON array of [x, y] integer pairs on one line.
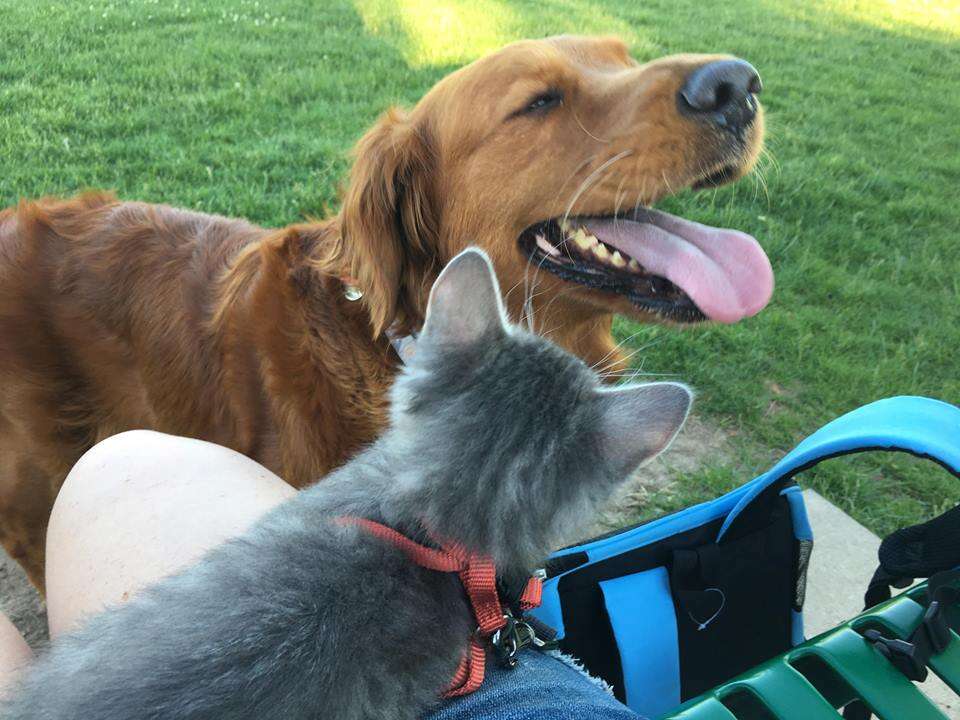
[[722, 92]]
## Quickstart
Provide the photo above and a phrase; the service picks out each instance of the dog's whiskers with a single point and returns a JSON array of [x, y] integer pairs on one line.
[[582, 127], [667, 184], [506, 295], [576, 171], [631, 376], [545, 311], [618, 198], [626, 359], [642, 193], [532, 293], [615, 348], [592, 178]]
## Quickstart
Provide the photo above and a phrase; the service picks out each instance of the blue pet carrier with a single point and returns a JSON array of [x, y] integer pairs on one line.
[[666, 610]]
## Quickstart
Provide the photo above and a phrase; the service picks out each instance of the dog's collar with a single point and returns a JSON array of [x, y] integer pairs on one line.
[[496, 623], [404, 345]]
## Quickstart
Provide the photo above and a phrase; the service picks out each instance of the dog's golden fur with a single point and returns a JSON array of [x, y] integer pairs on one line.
[[118, 315]]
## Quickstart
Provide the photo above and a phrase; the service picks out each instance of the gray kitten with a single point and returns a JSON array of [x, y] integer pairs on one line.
[[499, 441]]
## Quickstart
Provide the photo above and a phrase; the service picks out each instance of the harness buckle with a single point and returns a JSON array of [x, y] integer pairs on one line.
[[904, 655], [517, 634], [911, 657], [506, 642]]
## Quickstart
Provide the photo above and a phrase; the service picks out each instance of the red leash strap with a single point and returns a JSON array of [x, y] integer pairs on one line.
[[479, 577]]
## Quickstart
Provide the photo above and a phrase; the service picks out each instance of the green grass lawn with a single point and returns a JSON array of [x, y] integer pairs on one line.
[[247, 107]]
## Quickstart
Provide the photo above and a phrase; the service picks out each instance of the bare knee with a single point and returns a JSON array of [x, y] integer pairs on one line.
[[141, 505], [142, 480], [130, 442], [136, 460]]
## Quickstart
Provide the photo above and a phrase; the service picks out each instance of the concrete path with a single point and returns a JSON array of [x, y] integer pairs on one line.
[[844, 557]]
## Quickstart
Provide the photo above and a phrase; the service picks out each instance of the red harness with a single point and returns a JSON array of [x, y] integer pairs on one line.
[[479, 577]]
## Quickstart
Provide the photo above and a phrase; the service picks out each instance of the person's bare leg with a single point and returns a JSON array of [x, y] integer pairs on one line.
[[14, 652], [139, 506]]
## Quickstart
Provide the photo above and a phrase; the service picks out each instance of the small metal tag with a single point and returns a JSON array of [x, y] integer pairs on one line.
[[352, 293]]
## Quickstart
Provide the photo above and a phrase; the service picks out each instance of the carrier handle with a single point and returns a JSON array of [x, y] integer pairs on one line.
[[920, 426]]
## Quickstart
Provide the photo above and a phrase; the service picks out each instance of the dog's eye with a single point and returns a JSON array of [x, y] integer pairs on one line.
[[541, 104]]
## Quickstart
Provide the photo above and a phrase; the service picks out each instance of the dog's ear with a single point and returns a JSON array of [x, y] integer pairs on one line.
[[389, 222]]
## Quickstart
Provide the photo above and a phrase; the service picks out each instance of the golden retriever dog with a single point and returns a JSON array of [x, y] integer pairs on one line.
[[276, 342]]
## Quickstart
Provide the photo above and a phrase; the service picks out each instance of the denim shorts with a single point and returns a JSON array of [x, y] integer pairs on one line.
[[541, 687]]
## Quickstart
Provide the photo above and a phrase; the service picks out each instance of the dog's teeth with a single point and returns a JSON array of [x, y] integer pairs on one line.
[[634, 265], [582, 240], [600, 250], [617, 259], [545, 245]]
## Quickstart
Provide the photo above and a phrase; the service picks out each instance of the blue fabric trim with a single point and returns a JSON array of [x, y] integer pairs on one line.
[[919, 425], [550, 611], [798, 513], [658, 529], [802, 531], [796, 631], [644, 622]]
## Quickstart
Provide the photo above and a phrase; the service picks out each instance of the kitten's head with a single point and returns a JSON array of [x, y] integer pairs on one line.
[[509, 442]]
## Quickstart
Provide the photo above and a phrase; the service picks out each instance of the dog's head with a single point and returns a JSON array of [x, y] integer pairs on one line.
[[549, 154]]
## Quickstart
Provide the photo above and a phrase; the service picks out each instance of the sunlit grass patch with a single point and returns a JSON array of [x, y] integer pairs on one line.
[[443, 32], [925, 16]]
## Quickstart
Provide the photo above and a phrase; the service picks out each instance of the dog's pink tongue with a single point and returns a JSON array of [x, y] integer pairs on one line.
[[725, 272]]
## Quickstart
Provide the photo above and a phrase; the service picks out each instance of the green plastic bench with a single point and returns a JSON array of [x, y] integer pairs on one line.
[[814, 681]]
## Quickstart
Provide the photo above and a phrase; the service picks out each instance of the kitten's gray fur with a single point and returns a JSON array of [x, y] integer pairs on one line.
[[499, 440]]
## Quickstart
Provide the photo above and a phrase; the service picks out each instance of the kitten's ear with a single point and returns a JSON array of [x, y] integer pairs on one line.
[[638, 422], [465, 304]]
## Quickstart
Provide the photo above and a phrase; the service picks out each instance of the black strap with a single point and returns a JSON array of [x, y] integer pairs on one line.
[[918, 551], [878, 590], [928, 550]]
